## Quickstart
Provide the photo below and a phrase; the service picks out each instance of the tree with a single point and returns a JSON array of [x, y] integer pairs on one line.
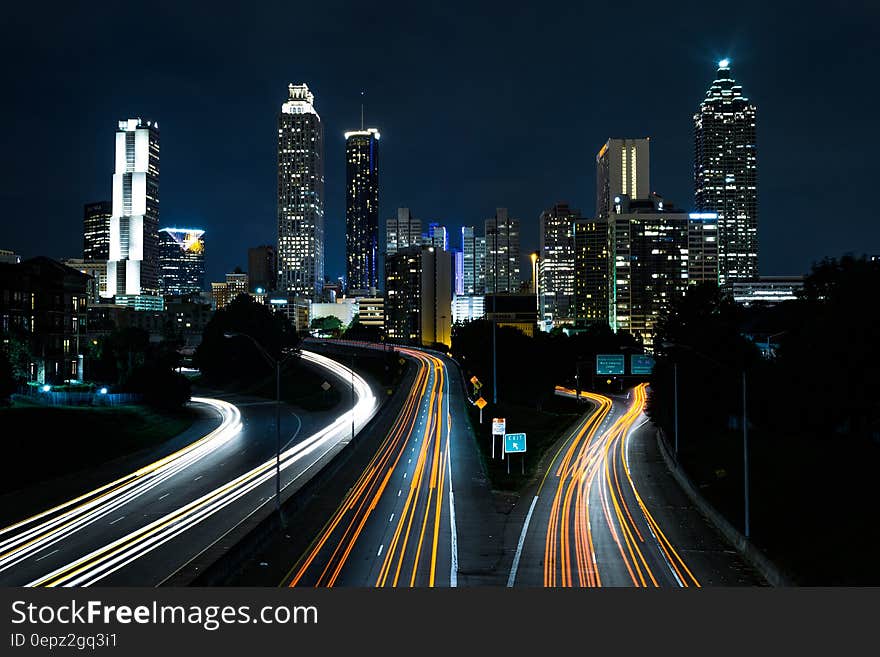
[[225, 359], [7, 378], [328, 325]]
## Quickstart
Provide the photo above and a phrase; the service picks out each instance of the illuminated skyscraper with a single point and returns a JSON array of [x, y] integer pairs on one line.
[[725, 173], [133, 259], [362, 208], [181, 260], [402, 231], [502, 253], [591, 269], [622, 167], [473, 250], [556, 264], [649, 263], [96, 231], [438, 236], [300, 195]]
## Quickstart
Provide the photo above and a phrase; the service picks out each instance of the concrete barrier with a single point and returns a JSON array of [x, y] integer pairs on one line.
[[751, 554]]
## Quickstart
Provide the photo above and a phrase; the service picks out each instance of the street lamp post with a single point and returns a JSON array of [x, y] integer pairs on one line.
[[675, 404], [276, 363]]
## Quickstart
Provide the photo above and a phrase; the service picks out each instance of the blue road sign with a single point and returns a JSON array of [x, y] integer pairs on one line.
[[641, 364], [610, 364], [514, 442]]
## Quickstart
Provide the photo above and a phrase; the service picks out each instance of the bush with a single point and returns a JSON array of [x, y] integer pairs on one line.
[[160, 387]]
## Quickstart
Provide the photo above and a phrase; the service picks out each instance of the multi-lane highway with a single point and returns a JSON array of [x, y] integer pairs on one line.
[[396, 526], [595, 518], [140, 528]]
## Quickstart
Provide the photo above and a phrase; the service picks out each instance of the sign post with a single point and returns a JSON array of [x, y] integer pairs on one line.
[[641, 364], [515, 443], [481, 404], [610, 364], [499, 426]]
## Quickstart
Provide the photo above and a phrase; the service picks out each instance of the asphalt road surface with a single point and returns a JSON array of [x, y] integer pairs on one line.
[[397, 524], [607, 513], [142, 527]]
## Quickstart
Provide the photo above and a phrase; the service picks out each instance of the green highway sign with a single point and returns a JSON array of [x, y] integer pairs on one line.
[[610, 364], [641, 364], [514, 442]]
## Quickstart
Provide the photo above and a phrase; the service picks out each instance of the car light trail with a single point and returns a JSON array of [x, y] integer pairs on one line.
[[595, 468], [45, 529], [410, 557], [100, 563]]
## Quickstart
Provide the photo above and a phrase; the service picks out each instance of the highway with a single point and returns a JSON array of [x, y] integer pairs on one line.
[[396, 526], [140, 528], [601, 517]]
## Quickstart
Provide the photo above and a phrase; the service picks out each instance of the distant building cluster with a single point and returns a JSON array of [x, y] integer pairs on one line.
[[623, 266]]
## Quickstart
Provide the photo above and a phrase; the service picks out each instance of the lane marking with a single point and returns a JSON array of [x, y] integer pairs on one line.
[[117, 520], [379, 553], [199, 477], [164, 496], [519, 545], [48, 555], [398, 493], [391, 519]]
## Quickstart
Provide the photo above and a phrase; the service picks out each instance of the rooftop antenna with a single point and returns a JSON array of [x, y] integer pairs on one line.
[[362, 110]]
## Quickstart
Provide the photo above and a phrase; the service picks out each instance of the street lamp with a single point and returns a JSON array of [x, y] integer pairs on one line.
[[745, 423], [276, 363]]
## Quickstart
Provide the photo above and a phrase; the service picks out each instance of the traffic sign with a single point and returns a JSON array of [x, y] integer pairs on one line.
[[325, 386], [641, 364], [610, 364], [475, 380], [514, 442], [481, 403], [499, 426]]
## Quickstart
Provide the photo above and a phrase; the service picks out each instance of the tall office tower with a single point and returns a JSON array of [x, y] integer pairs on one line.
[[725, 173], [649, 263], [402, 231], [702, 247], [362, 208], [458, 271], [96, 231], [437, 236], [262, 268], [403, 307], [556, 264], [181, 260], [133, 258], [436, 296], [590, 245], [473, 250], [300, 195], [502, 253], [237, 282], [622, 167]]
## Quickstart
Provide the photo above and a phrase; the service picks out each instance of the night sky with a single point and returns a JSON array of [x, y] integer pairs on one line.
[[480, 105]]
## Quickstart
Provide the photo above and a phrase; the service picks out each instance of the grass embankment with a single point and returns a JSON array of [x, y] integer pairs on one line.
[[42, 442], [809, 497], [542, 428]]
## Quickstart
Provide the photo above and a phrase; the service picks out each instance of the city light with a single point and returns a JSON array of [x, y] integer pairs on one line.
[[724, 63], [103, 391], [46, 388]]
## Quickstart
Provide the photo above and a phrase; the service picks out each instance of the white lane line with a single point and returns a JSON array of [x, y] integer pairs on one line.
[[398, 493], [519, 545], [379, 553], [113, 522], [199, 477], [404, 475], [164, 496], [391, 519], [48, 555]]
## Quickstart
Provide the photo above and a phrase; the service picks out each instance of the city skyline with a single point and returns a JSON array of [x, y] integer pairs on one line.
[[242, 166]]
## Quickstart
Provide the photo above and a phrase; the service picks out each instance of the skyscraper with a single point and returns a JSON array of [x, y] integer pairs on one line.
[[473, 249], [622, 167], [133, 258], [702, 247], [96, 231], [725, 173], [362, 208], [262, 269], [591, 269], [502, 253], [649, 263], [556, 263], [438, 236], [418, 303], [181, 260], [402, 231], [300, 195]]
